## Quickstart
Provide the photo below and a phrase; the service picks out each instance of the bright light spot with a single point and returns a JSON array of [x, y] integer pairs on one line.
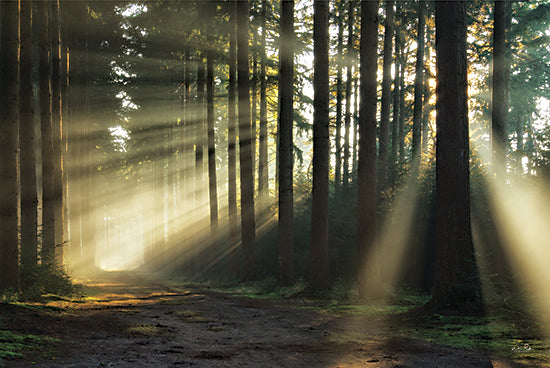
[[120, 137], [132, 10]]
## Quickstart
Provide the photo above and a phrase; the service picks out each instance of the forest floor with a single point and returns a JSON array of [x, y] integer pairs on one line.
[[129, 320]]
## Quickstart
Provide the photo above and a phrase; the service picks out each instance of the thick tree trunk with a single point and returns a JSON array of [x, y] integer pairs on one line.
[[27, 146], [286, 147], [48, 178], [347, 120], [500, 103], [9, 110], [366, 181], [57, 130], [233, 216], [263, 166], [319, 272], [383, 139], [248, 218], [418, 83], [456, 278]]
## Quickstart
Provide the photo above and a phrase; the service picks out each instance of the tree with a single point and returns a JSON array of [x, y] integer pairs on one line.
[[499, 101], [248, 219], [366, 179], [57, 130], [339, 95], [319, 273], [347, 120], [383, 141], [263, 167], [9, 110], [286, 146], [456, 281], [48, 156], [232, 135], [27, 139], [212, 181], [418, 82]]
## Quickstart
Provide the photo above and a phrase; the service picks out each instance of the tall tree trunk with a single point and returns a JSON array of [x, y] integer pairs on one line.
[[456, 279], [347, 121], [383, 139], [418, 83], [263, 166], [396, 104], [319, 272], [48, 179], [9, 110], [199, 134], [338, 125], [212, 181], [29, 194], [402, 111], [248, 218], [366, 183], [500, 103], [57, 129], [233, 216], [286, 146]]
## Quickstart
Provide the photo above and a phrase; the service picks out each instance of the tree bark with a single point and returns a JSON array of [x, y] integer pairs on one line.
[[383, 140], [319, 270], [263, 166], [9, 110], [199, 134], [339, 97], [27, 139], [212, 180], [456, 278], [233, 216], [499, 101], [366, 181], [248, 219], [57, 130], [286, 146], [418, 82], [347, 120], [48, 179]]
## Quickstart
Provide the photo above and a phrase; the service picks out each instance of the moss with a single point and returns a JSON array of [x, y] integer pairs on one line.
[[14, 345], [191, 316], [144, 329]]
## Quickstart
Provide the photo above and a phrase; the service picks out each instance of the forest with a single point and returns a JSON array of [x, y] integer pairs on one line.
[[386, 162]]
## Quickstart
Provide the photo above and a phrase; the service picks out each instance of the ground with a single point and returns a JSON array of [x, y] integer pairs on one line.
[[133, 321]]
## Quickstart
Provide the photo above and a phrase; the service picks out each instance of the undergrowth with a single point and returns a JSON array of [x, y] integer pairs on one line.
[[14, 345]]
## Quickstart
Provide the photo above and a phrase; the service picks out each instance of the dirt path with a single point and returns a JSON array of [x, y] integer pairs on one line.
[[136, 322]]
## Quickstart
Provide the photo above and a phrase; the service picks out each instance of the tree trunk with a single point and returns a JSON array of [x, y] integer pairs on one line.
[[500, 103], [57, 130], [347, 121], [366, 181], [418, 83], [233, 216], [9, 74], [338, 125], [286, 147], [48, 179], [199, 135], [395, 136], [319, 272], [248, 218], [212, 181], [383, 140], [263, 165], [27, 139], [456, 278]]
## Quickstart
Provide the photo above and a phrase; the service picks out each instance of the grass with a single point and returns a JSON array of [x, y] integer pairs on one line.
[[144, 329], [13, 345], [191, 316]]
